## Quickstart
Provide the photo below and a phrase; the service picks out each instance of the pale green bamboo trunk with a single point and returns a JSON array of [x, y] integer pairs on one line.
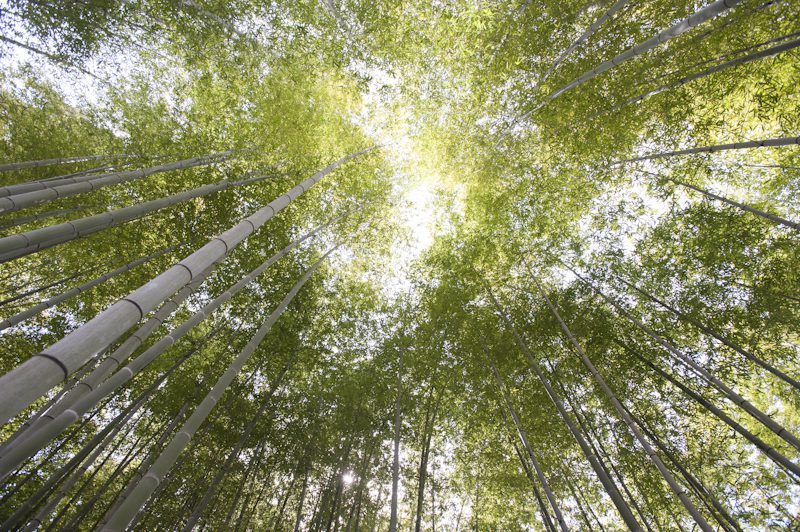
[[523, 436], [112, 362], [766, 143], [10, 167], [82, 398], [35, 240], [699, 17], [731, 395], [55, 300], [33, 378], [233, 455]]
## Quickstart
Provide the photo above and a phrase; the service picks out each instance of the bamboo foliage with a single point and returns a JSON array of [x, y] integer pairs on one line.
[[429, 378], [202, 504], [733, 396]]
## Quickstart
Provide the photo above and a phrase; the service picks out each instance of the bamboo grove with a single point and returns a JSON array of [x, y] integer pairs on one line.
[[343, 265]]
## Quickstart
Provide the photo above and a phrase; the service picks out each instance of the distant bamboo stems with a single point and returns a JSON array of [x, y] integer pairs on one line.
[[523, 436], [760, 444], [145, 464], [752, 210], [21, 512], [619, 4], [232, 455], [145, 487], [769, 52], [22, 220], [676, 353], [608, 484], [720, 338], [398, 421], [648, 449]]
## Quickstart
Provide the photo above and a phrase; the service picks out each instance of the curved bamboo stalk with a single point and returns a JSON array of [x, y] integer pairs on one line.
[[22, 196], [31, 379], [597, 444], [547, 521], [95, 170], [87, 506], [766, 143], [697, 18], [60, 61], [35, 240], [50, 454]]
